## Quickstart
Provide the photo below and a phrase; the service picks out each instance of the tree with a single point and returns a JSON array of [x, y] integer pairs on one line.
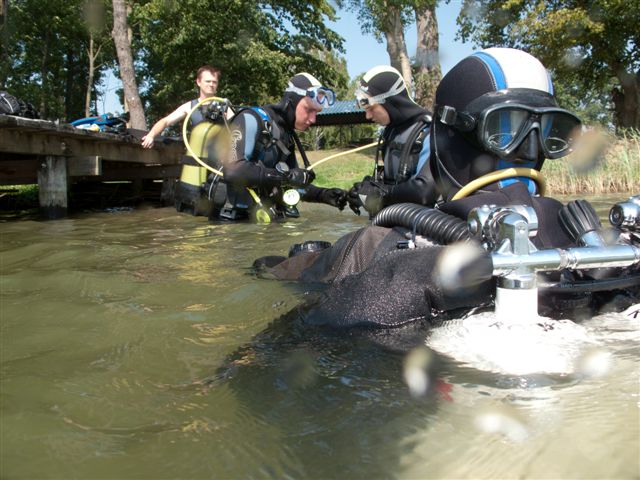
[[390, 18], [45, 56], [427, 72], [387, 18], [256, 46], [125, 60], [94, 16], [587, 43]]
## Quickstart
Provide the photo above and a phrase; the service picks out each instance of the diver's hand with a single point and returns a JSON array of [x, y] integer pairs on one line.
[[353, 199], [300, 177], [147, 140], [367, 194], [336, 197]]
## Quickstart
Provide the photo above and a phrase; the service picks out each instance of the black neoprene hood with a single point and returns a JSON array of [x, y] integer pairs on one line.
[[287, 106]]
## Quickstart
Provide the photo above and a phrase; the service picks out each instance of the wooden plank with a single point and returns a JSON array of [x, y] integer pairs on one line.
[[30, 143], [156, 172], [52, 186], [18, 168], [84, 166]]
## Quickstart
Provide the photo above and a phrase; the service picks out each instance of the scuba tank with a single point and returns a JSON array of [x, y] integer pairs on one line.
[[198, 191]]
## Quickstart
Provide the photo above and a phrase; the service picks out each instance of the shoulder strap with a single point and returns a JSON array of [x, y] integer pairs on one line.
[[270, 133], [196, 116], [409, 155]]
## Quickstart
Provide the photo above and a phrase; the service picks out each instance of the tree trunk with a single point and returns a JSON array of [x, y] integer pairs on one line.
[[396, 46], [125, 61], [427, 68], [626, 100], [92, 57], [4, 44], [44, 74]]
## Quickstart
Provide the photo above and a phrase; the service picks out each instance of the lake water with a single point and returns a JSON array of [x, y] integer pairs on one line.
[[137, 344]]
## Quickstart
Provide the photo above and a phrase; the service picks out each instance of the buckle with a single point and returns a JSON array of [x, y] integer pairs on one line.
[[447, 115]]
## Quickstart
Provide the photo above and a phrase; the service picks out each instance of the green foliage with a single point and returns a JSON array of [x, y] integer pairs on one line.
[[46, 55], [257, 47], [590, 45]]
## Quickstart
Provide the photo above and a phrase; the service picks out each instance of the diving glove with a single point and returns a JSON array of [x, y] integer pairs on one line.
[[299, 177], [367, 194], [336, 197]]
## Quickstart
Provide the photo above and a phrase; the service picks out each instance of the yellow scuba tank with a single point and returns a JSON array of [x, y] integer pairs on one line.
[[191, 192]]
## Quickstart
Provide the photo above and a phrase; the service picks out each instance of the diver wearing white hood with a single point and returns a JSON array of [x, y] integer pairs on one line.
[[404, 145]]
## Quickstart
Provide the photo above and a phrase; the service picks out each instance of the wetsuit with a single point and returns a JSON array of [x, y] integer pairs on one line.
[[261, 139], [406, 173]]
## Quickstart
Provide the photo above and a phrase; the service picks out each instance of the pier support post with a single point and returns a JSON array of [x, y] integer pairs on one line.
[[168, 192], [53, 187]]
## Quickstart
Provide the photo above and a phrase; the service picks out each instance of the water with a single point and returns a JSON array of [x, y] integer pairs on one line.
[[137, 344]]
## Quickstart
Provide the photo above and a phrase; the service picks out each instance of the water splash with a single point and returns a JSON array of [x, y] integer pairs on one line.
[[520, 346]]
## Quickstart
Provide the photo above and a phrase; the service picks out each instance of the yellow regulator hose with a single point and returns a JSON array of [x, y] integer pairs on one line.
[[501, 175], [185, 137], [335, 155]]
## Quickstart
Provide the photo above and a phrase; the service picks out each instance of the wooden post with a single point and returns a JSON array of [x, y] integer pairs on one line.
[[52, 185], [168, 192]]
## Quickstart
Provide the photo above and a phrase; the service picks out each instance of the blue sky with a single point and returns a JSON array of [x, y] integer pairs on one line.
[[362, 51]]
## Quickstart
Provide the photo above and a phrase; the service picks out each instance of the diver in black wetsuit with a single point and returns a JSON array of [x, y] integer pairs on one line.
[[262, 153], [494, 111], [404, 145]]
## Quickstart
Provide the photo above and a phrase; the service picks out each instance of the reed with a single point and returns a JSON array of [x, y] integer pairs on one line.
[[609, 167]]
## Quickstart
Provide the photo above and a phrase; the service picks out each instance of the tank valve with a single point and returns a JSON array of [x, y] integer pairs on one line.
[[626, 215]]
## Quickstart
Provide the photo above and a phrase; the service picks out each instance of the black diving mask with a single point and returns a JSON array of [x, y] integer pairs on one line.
[[503, 120]]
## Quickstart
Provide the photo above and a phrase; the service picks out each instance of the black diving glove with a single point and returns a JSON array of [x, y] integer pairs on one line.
[[299, 177], [336, 197], [367, 194]]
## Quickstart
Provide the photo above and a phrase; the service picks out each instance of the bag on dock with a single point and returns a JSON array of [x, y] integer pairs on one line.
[[10, 105]]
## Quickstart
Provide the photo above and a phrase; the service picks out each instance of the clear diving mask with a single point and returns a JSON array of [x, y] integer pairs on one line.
[[322, 96], [364, 100], [502, 120]]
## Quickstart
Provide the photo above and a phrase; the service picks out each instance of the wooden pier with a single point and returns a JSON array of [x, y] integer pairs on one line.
[[55, 156]]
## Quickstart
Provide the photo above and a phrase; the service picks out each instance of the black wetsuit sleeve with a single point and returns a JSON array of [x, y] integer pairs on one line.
[[312, 193], [420, 189], [242, 167]]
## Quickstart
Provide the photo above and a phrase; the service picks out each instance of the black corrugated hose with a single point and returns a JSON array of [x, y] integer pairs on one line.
[[429, 222]]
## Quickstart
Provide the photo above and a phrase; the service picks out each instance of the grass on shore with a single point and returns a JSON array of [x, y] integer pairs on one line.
[[344, 171]]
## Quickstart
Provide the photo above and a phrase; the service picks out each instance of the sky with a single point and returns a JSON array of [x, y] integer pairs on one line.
[[362, 51]]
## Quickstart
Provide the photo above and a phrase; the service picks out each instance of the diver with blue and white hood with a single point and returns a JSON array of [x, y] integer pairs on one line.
[[495, 123]]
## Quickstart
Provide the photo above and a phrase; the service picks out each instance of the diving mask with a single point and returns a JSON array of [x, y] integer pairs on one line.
[[503, 120], [322, 96], [364, 100]]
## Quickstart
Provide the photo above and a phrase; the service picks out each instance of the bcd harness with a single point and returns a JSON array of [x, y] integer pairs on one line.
[[402, 155], [271, 134]]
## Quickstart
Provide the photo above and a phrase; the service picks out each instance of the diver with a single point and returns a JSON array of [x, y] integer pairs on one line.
[[496, 121], [207, 80], [262, 154], [204, 122], [403, 147]]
